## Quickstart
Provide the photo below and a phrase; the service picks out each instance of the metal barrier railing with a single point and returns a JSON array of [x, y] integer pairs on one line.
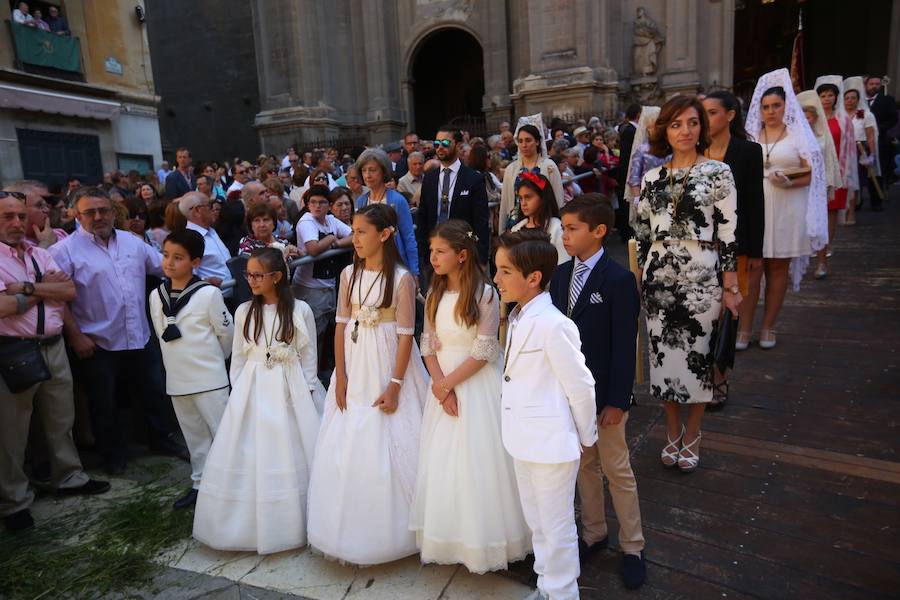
[[306, 260]]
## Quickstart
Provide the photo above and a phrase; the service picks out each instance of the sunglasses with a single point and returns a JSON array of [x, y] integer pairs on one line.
[[18, 195], [444, 143]]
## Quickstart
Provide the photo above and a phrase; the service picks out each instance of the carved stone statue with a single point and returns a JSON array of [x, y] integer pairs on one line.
[[648, 41]]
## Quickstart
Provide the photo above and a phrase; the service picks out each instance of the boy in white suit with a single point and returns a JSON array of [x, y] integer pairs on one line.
[[195, 331], [548, 407]]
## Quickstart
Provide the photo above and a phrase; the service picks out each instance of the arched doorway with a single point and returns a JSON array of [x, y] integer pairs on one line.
[[448, 80]]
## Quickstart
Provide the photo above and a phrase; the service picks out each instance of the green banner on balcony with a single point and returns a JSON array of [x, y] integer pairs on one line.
[[37, 47]]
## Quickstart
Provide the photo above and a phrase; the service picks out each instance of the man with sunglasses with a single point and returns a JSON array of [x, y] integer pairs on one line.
[[181, 180], [454, 191], [241, 175], [321, 161], [34, 292], [107, 329]]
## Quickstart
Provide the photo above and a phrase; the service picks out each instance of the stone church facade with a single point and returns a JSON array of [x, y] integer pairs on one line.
[[346, 66]]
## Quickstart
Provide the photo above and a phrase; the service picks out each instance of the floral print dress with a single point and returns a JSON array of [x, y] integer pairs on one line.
[[686, 238]]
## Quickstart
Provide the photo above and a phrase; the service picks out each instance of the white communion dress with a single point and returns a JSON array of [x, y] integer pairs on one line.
[[253, 494], [467, 507], [365, 470]]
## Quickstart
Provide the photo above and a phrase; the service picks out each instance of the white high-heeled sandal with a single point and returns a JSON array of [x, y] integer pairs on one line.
[[690, 463], [671, 455]]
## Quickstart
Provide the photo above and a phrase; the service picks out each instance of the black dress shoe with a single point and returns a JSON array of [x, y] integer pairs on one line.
[[93, 486], [634, 571], [186, 501], [585, 551], [170, 447], [18, 521]]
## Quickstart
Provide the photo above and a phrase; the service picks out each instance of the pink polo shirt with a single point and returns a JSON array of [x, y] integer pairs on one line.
[[14, 270]]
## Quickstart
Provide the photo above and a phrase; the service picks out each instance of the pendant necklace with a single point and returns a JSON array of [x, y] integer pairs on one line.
[[354, 335], [269, 363], [677, 199], [768, 163]]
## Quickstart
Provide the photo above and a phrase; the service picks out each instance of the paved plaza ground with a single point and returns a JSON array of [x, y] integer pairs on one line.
[[797, 495]]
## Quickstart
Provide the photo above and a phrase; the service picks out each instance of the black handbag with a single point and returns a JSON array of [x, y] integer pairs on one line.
[[726, 338], [21, 363]]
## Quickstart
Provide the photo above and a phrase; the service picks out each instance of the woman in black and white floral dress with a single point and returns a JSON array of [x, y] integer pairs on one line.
[[686, 238]]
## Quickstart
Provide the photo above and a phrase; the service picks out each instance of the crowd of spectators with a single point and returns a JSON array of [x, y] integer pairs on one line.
[[103, 243]]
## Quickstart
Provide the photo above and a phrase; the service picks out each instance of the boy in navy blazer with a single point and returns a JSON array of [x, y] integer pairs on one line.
[[601, 297]]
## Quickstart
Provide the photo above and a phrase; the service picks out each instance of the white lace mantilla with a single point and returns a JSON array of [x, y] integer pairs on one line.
[[804, 138]]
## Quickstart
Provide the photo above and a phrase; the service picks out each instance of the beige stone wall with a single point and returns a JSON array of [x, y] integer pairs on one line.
[[555, 56], [111, 29], [106, 28]]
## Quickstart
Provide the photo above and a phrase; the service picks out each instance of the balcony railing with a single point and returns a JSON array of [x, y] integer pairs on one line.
[[43, 53]]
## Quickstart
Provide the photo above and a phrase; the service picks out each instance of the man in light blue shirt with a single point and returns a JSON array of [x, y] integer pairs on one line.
[[214, 265], [106, 325]]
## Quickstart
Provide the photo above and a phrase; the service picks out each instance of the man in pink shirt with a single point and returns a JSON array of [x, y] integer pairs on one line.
[[38, 231], [30, 276]]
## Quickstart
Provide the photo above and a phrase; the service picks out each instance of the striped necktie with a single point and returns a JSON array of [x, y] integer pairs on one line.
[[577, 284]]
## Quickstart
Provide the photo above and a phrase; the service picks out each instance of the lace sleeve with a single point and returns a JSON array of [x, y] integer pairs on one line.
[[429, 343], [342, 314], [486, 347], [405, 300]]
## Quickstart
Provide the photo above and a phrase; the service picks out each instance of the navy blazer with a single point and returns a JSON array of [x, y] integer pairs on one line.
[[606, 314], [177, 186], [469, 203]]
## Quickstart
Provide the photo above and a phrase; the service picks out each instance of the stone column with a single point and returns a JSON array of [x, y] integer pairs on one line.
[[893, 65], [384, 117], [563, 78], [496, 103], [680, 50], [295, 91]]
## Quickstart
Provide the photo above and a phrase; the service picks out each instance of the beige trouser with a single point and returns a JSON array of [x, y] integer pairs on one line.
[[53, 401], [199, 416], [609, 456]]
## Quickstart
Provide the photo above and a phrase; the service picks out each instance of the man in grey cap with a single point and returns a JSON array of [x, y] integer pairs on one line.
[[394, 151]]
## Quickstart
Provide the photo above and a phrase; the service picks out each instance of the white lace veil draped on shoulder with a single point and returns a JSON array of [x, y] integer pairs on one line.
[[647, 119], [805, 140], [847, 155], [826, 142]]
